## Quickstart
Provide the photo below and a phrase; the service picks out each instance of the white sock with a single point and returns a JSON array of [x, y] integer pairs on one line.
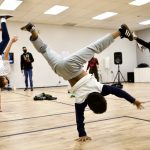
[[3, 20]]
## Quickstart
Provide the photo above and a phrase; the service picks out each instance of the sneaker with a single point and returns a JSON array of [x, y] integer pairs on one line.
[[28, 27], [125, 32], [25, 89], [6, 16]]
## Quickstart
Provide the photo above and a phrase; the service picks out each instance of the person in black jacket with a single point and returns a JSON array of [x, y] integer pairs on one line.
[[26, 67]]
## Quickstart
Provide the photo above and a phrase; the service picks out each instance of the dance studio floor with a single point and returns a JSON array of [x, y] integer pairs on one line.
[[26, 124]]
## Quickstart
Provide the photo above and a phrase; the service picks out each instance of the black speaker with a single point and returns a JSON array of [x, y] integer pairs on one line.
[[130, 76], [117, 58]]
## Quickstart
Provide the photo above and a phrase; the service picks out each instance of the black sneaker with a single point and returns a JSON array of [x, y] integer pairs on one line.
[[6, 16], [125, 32], [25, 89], [28, 27]]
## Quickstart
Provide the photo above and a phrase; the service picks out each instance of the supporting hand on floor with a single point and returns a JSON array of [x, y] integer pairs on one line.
[[83, 139], [138, 104]]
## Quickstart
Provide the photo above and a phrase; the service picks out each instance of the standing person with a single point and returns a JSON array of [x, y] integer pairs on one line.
[[86, 88], [92, 66], [26, 67], [142, 42]]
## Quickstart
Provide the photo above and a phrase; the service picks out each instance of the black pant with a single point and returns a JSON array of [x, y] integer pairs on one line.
[[5, 37], [95, 72]]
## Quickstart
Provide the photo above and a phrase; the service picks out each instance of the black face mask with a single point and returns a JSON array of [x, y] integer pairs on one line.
[[24, 51]]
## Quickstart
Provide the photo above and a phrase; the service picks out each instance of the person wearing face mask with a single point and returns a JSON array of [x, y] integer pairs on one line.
[[26, 67]]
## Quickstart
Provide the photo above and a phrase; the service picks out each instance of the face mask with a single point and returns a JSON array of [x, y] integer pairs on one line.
[[24, 51]]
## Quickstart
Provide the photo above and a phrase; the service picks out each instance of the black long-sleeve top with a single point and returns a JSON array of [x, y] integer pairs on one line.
[[79, 108], [26, 61], [142, 42]]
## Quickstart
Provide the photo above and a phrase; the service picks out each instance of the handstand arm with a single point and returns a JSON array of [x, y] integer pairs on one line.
[[79, 108], [122, 94], [8, 47]]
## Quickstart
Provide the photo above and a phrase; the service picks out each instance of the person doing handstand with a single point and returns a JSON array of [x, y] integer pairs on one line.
[[86, 88]]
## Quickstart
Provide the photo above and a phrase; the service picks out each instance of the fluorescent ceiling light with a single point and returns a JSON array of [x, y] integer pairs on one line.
[[105, 15], [139, 2], [147, 22], [56, 10], [10, 4]]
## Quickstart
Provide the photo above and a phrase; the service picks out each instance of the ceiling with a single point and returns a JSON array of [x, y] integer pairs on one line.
[[80, 13]]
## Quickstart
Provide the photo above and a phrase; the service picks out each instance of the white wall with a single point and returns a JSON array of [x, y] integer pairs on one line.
[[66, 40], [143, 56]]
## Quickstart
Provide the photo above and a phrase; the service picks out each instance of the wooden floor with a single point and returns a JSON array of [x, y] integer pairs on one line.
[[50, 125]]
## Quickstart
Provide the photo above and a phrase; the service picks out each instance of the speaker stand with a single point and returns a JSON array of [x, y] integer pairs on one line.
[[118, 75]]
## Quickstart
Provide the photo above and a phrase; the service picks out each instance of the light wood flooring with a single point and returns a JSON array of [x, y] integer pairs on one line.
[[26, 124]]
